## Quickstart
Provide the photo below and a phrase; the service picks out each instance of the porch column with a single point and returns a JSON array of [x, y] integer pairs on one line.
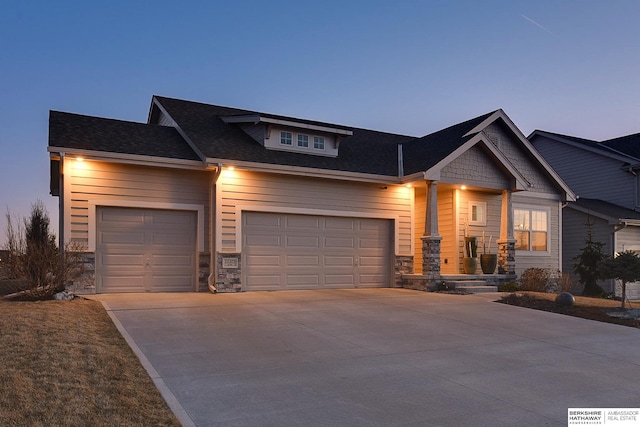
[[506, 243], [431, 238]]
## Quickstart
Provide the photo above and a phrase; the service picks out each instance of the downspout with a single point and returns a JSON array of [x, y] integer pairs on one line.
[[211, 280], [61, 209]]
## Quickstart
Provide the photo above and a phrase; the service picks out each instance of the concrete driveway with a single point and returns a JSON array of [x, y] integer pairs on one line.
[[384, 357]]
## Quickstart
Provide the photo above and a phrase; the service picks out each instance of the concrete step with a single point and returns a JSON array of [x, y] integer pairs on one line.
[[478, 289], [471, 286]]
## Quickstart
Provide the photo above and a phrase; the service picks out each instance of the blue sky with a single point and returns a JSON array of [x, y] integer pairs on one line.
[[410, 67]]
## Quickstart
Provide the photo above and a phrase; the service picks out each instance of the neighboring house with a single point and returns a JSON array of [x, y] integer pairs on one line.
[[246, 200], [606, 178]]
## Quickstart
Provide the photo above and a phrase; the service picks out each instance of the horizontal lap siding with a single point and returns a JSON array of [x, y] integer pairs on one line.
[[91, 180], [628, 239], [240, 189]]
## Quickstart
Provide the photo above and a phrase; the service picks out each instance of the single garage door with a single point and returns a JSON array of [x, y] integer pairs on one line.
[[284, 251], [145, 250]]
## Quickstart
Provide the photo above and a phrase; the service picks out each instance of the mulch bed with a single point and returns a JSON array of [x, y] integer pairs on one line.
[[583, 311]]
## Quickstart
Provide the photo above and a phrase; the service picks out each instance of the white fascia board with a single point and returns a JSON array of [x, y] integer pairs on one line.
[[177, 127], [257, 118], [304, 171], [133, 159]]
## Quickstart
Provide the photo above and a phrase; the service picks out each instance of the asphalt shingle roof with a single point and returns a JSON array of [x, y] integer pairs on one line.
[[116, 136], [423, 153], [629, 144], [366, 151]]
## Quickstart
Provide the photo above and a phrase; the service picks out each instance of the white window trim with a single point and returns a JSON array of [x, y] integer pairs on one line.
[[94, 203], [290, 139], [314, 143], [483, 207], [540, 209]]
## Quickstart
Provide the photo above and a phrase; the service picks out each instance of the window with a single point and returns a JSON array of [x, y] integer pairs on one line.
[[303, 140], [318, 143], [477, 213], [531, 229], [285, 138]]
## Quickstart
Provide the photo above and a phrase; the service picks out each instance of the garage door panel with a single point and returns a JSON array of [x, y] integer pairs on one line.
[[122, 260], [318, 252], [302, 281], [339, 242], [123, 283], [345, 280], [341, 261], [123, 237], [263, 221], [303, 260], [260, 240], [308, 223], [310, 242], [372, 261], [263, 260], [340, 224], [171, 260], [171, 239], [121, 216], [264, 281]]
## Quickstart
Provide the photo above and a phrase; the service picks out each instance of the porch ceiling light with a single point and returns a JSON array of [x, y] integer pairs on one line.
[[463, 187]]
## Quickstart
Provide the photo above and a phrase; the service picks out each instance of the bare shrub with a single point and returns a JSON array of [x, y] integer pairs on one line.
[[534, 279], [565, 282], [34, 259]]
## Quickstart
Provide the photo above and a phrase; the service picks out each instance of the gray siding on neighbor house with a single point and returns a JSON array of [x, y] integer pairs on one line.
[[589, 174], [576, 231], [238, 191], [102, 182]]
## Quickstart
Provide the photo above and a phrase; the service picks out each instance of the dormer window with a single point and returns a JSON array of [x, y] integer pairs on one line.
[[303, 140], [318, 143], [286, 138]]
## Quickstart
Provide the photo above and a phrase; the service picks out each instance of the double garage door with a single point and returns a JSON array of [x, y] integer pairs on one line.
[[145, 250], [285, 251]]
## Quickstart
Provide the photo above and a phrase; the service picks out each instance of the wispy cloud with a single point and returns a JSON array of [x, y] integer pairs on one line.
[[537, 24]]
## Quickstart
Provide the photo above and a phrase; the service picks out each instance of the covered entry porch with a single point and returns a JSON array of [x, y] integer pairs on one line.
[[456, 225]]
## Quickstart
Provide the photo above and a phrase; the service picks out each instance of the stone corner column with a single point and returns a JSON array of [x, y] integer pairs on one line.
[[431, 256], [506, 256]]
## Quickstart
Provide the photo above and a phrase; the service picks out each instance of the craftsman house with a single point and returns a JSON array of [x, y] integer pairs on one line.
[[241, 200], [605, 176]]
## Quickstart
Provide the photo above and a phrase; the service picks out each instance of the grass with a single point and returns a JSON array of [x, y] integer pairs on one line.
[[65, 363], [585, 307]]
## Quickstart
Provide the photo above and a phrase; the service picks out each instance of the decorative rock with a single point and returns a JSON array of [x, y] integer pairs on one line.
[[565, 299], [63, 296]]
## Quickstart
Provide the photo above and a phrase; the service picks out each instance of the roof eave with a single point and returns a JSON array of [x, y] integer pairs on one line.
[[305, 171], [136, 159]]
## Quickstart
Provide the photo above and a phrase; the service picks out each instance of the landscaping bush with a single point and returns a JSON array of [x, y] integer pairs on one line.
[[508, 287], [33, 259], [534, 279]]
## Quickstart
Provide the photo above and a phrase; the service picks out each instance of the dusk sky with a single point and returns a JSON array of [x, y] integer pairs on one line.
[[410, 67]]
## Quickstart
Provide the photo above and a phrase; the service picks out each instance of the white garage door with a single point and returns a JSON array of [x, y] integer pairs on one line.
[[283, 251], [145, 250]]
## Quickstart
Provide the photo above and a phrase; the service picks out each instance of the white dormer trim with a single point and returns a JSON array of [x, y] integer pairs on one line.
[[257, 118]]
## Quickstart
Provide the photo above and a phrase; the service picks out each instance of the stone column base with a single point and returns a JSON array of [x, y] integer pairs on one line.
[[506, 256]]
